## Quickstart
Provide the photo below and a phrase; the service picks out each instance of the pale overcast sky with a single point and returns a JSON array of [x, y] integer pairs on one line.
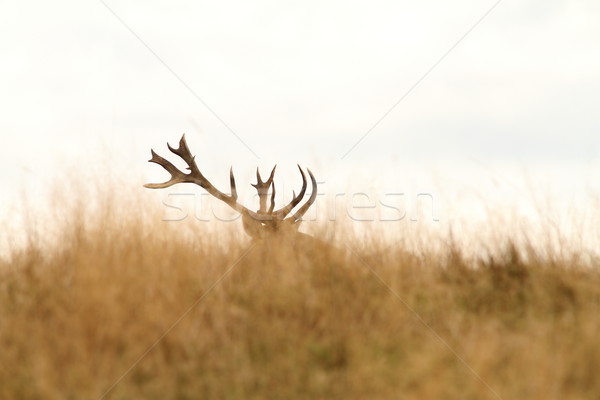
[[298, 81]]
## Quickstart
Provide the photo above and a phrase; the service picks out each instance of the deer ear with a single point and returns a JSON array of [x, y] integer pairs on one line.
[[292, 224], [251, 226]]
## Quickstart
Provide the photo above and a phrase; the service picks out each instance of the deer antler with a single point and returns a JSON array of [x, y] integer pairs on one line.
[[297, 216], [194, 176], [283, 212], [265, 217], [263, 190]]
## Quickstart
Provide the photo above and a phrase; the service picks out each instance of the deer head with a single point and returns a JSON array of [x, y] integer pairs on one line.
[[257, 224]]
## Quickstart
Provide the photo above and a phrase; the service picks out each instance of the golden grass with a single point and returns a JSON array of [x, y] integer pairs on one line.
[[79, 313]]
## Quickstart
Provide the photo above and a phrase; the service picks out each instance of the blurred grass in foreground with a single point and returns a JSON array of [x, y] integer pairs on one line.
[[77, 311]]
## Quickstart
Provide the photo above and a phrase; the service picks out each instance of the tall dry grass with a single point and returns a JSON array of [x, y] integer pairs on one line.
[[84, 304]]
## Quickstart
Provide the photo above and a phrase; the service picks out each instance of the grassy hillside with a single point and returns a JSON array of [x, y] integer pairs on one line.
[[125, 306]]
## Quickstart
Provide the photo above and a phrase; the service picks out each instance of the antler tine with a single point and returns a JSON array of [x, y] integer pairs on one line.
[[263, 189], [183, 151], [297, 216], [232, 184], [176, 175], [282, 213], [270, 180], [272, 206], [259, 181]]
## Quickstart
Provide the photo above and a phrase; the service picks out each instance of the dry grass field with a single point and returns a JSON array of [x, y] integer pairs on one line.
[[121, 305]]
